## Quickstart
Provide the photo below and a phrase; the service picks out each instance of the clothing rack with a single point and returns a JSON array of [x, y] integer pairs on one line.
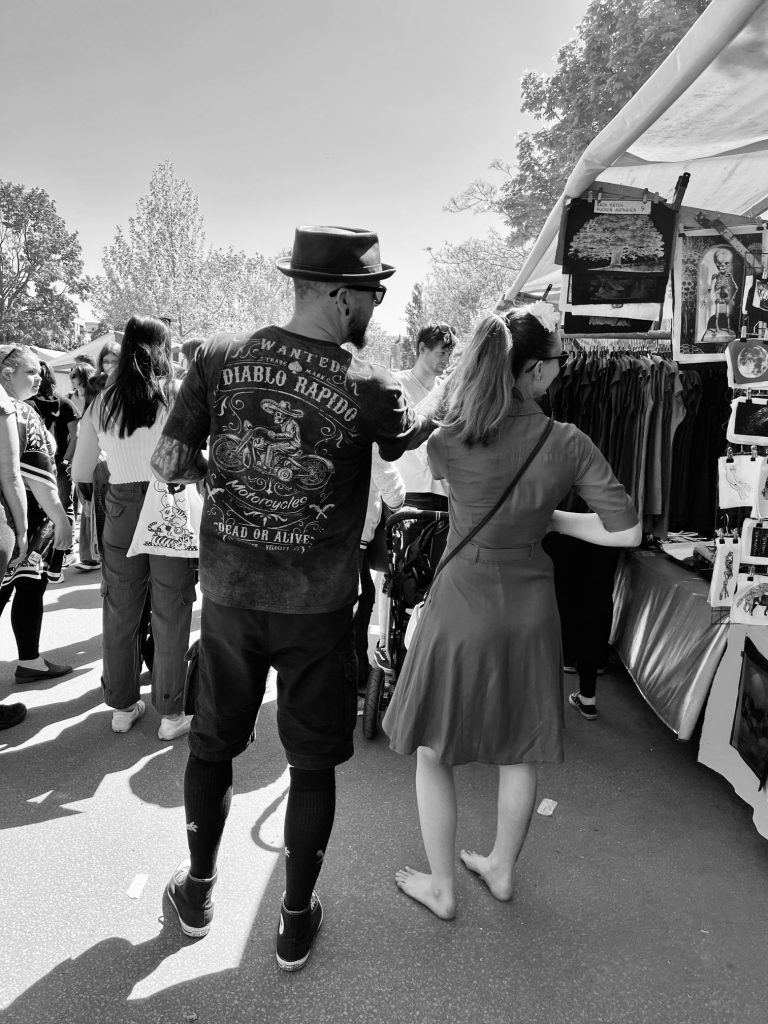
[[653, 343]]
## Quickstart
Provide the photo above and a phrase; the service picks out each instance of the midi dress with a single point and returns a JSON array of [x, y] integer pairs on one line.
[[482, 680]]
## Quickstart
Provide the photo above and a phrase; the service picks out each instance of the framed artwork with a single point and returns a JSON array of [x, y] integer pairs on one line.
[[756, 304], [617, 251], [737, 478], [749, 732], [748, 422], [710, 276], [725, 572], [747, 364], [754, 542], [750, 602]]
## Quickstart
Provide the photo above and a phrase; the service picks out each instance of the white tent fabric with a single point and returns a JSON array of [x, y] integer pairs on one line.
[[702, 111], [91, 348]]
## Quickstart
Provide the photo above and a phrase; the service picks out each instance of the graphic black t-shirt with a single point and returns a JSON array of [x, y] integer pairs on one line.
[[291, 421], [57, 414]]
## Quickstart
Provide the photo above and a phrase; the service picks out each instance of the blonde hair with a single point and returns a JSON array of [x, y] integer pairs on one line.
[[481, 389]]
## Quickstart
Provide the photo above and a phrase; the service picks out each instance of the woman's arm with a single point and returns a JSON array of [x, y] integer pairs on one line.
[[86, 457], [47, 497], [69, 454], [587, 526], [11, 482]]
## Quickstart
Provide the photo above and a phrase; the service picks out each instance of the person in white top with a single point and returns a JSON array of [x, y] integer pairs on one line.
[[125, 422], [420, 384], [386, 489]]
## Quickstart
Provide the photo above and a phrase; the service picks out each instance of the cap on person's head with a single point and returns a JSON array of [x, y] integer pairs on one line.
[[323, 253]]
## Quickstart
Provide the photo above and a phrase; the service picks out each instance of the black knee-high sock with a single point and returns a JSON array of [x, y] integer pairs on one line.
[[308, 824], [207, 799]]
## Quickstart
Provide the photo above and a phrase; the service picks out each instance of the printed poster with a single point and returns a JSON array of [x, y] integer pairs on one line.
[[617, 257], [710, 277]]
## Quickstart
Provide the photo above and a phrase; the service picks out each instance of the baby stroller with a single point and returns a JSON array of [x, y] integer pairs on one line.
[[415, 544]]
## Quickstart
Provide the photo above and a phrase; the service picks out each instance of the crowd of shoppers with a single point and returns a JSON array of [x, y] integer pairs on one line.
[[281, 428]]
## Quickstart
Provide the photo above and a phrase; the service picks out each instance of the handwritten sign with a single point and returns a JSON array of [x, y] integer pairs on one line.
[[635, 207]]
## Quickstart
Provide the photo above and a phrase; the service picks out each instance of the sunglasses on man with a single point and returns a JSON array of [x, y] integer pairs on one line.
[[378, 292]]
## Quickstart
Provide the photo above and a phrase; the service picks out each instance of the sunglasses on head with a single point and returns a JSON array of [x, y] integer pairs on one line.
[[379, 291], [562, 359]]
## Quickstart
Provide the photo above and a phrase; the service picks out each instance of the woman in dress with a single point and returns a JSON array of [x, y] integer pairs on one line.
[[483, 678], [125, 421], [49, 532]]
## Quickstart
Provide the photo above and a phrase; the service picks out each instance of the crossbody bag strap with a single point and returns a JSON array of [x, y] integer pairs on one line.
[[492, 512]]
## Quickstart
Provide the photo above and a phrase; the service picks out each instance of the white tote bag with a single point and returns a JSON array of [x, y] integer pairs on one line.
[[169, 523]]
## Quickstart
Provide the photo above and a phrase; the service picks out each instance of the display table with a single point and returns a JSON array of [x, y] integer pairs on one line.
[[664, 634]]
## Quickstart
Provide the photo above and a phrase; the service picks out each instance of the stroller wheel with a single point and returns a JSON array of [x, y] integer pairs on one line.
[[372, 701]]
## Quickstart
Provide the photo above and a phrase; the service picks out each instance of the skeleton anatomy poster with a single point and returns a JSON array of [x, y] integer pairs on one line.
[[710, 276]]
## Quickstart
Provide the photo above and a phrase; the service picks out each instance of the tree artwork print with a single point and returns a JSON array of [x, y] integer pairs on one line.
[[617, 258]]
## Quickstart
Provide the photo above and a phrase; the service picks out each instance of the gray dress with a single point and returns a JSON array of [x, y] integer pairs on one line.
[[483, 678]]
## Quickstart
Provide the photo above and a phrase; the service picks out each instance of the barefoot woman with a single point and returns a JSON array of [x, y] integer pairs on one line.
[[483, 679]]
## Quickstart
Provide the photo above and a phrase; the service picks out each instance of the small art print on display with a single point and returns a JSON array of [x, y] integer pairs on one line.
[[754, 542], [760, 496], [617, 257], [750, 603], [725, 571], [709, 287], [747, 364], [748, 422], [737, 481], [748, 733]]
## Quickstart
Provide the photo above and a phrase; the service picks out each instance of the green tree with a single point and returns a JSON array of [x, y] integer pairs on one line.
[[41, 272], [618, 45], [157, 265], [466, 281], [162, 265]]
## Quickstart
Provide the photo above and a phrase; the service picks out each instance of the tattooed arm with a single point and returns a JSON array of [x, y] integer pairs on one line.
[[178, 463]]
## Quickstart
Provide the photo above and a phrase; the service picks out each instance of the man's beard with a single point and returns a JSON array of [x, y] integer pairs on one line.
[[356, 334]]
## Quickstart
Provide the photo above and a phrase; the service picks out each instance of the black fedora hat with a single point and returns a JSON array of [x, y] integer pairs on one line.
[[322, 253]]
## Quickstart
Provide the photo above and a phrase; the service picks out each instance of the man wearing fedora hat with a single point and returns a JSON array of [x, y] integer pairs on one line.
[[289, 418]]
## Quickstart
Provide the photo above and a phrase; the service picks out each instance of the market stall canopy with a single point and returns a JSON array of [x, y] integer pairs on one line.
[[702, 111], [91, 348]]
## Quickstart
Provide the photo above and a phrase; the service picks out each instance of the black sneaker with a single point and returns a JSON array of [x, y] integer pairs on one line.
[[587, 710], [296, 933], [12, 714], [191, 899]]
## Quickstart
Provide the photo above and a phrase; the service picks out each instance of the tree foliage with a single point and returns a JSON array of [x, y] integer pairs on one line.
[[612, 238], [466, 280], [618, 45], [162, 265], [41, 272]]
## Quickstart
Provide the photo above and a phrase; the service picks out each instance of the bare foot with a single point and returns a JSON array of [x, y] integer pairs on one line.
[[499, 882], [420, 887]]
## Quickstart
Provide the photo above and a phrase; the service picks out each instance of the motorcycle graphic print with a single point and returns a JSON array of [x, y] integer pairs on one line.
[[280, 419], [276, 454]]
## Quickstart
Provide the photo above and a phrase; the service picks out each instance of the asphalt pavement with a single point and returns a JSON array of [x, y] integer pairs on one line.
[[642, 898]]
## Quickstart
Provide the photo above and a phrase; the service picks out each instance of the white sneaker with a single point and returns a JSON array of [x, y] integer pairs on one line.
[[173, 726], [122, 721]]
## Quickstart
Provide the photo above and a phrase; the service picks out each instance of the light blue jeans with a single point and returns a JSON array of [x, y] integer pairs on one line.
[[124, 589]]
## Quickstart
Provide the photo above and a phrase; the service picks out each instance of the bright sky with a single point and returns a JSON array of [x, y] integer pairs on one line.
[[277, 112]]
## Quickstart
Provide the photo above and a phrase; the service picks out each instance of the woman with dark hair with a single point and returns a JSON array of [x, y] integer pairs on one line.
[[49, 532], [79, 377], [109, 357], [60, 417], [482, 680], [125, 422]]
